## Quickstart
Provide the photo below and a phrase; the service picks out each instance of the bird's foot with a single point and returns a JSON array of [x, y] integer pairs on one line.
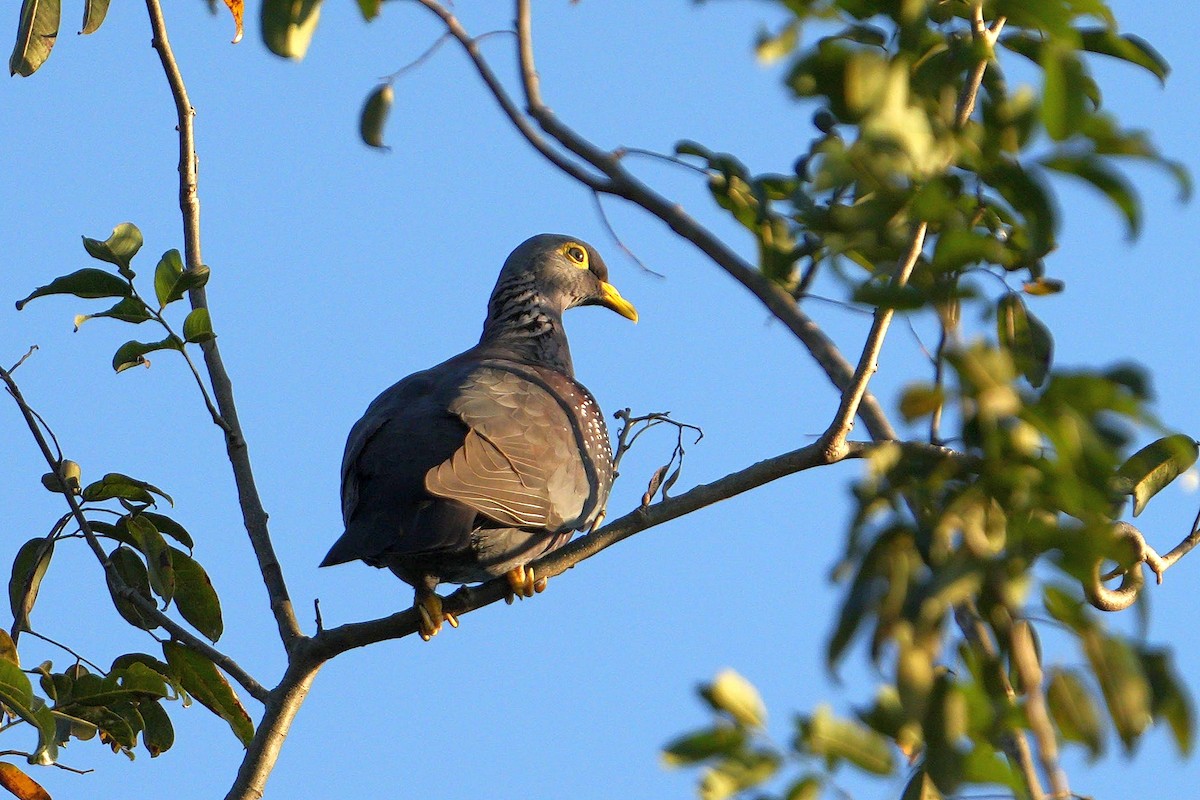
[[523, 583], [432, 614]]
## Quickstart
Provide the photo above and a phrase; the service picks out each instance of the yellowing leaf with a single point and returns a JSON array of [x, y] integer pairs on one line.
[[236, 7], [736, 696], [20, 784]]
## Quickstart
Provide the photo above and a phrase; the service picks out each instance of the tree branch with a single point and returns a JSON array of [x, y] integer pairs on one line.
[[835, 437], [616, 180], [332, 641], [1025, 659], [279, 712], [1015, 745], [253, 514], [177, 631]]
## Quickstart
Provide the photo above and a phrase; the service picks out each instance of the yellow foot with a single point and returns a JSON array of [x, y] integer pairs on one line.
[[523, 583], [432, 615]]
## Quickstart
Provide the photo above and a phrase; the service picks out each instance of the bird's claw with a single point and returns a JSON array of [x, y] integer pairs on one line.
[[523, 583], [432, 614]]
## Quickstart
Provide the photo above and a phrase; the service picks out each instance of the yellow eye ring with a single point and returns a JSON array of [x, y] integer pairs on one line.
[[576, 254]]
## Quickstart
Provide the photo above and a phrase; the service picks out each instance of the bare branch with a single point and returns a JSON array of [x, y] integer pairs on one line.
[[177, 631], [279, 712], [1015, 745], [519, 120], [253, 514], [982, 33], [835, 437], [1025, 659]]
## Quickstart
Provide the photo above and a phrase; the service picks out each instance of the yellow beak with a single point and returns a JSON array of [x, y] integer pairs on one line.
[[612, 300]]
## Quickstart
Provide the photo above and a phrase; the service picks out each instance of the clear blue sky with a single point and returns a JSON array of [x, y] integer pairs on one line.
[[337, 270]]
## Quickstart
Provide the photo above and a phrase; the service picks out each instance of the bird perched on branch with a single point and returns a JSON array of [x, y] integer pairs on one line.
[[474, 468]]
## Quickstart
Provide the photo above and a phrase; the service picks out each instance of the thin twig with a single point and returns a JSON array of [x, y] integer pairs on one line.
[[617, 239], [621, 152], [835, 437], [30, 757], [62, 646], [253, 514], [419, 60], [32, 349]]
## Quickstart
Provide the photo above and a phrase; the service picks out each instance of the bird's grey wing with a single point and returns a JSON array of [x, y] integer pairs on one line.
[[404, 432], [520, 463]]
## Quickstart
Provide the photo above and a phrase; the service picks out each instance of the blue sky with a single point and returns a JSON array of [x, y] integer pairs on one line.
[[338, 269]]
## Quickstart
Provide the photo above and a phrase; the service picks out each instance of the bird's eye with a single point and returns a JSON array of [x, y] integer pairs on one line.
[[576, 254]]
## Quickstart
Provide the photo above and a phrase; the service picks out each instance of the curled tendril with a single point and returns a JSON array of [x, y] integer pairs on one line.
[[1132, 577]]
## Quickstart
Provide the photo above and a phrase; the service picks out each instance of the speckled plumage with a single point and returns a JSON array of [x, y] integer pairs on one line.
[[486, 461]]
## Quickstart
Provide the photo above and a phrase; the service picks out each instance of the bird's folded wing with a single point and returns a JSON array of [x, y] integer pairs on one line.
[[520, 463]]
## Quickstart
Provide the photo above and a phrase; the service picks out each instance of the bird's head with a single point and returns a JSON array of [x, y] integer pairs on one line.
[[566, 271]]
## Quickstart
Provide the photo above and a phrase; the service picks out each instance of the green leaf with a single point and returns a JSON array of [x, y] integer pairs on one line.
[[720, 740], [1026, 337], [1031, 200], [195, 596], [198, 327], [836, 740], [1123, 683], [133, 682], [36, 32], [151, 544], [170, 527], [118, 249], [374, 115], [29, 567], [920, 400], [113, 725], [205, 683], [167, 275], [172, 281], [158, 734], [133, 353], [127, 309], [288, 26], [94, 12], [888, 295], [1151, 469], [88, 283], [133, 573], [1063, 97], [16, 693], [809, 788], [1113, 184], [1126, 47], [958, 247], [114, 484], [369, 8], [1074, 711], [1171, 700], [686, 147]]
